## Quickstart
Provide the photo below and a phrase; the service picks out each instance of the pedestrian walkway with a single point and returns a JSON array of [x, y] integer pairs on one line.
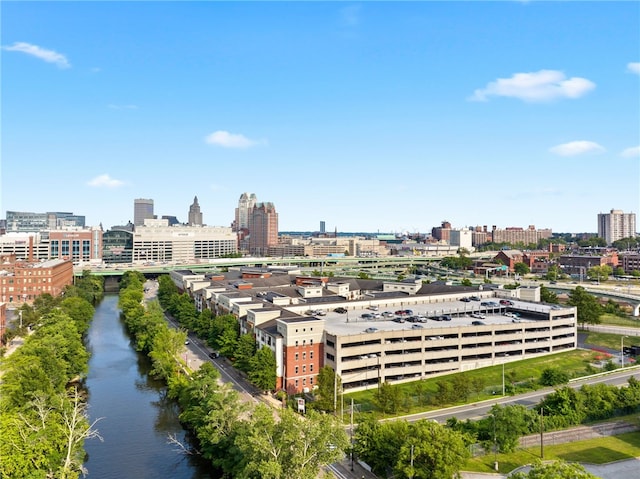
[[628, 468]]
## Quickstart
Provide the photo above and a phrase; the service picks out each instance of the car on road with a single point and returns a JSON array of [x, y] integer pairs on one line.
[[214, 355], [187, 342]]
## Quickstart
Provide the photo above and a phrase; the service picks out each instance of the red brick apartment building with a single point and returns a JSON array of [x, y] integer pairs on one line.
[[3, 322], [22, 281], [302, 352]]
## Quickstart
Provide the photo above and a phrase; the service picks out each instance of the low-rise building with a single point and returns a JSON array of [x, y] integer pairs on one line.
[[24, 281]]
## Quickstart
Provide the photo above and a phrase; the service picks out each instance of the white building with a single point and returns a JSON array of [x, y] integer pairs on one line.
[[616, 225], [462, 238], [156, 241]]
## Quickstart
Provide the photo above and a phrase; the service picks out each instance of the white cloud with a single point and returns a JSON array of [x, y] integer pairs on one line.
[[49, 56], [122, 107], [105, 181], [631, 152], [634, 67], [574, 148], [544, 85], [350, 16], [229, 140]]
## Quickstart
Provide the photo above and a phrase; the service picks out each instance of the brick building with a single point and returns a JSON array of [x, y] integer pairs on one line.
[[22, 281]]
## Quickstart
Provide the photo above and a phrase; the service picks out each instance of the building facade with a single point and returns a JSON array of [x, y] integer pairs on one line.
[[263, 228], [20, 221], [79, 245], [195, 216], [616, 225], [513, 235], [23, 281], [246, 203], [142, 210], [156, 241]]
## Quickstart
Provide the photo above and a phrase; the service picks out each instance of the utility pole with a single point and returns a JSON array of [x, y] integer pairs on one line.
[[351, 432], [541, 433]]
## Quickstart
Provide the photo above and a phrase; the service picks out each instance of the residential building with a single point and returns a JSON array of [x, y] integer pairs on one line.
[[295, 317], [442, 233], [142, 210], [630, 261], [616, 225], [263, 229], [23, 281], [195, 216], [513, 235]]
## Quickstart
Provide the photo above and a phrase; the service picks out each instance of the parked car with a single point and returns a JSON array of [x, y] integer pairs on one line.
[[477, 323], [506, 302], [340, 310], [474, 298], [478, 316], [370, 330], [366, 316], [388, 314], [465, 299], [373, 308]]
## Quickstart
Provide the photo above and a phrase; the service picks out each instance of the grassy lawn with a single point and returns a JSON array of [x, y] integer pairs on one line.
[[523, 374], [596, 451], [608, 340], [613, 320]]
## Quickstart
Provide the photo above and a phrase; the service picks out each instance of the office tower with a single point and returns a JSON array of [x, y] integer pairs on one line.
[[142, 210], [616, 225], [195, 216], [263, 228], [322, 227], [245, 205]]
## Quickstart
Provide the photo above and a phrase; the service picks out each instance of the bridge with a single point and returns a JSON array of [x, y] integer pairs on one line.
[[632, 299]]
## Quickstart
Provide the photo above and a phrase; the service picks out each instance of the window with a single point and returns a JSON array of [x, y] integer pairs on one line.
[[296, 343], [304, 368], [310, 354], [296, 369], [297, 356], [310, 380], [304, 355], [311, 368]]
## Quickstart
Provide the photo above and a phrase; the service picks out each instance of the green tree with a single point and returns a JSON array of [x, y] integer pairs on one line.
[[548, 296], [327, 397], [378, 444], [80, 311], [388, 398], [599, 273], [432, 451], [521, 269], [553, 377], [508, 424], [466, 282], [262, 372], [589, 309], [555, 470], [291, 448], [245, 349]]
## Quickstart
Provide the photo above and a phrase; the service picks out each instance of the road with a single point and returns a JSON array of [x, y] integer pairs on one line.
[[530, 399]]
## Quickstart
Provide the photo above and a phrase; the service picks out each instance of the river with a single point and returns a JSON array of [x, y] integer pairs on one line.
[[137, 417]]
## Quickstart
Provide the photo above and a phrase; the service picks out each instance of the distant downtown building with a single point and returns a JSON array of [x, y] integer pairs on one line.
[[142, 210], [245, 205], [21, 221], [616, 225], [263, 228], [513, 235], [195, 216], [156, 241]]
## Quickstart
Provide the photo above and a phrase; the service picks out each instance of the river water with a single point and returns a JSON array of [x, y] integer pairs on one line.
[[137, 417]]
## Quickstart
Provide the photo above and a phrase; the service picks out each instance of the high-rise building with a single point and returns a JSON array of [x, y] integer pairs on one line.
[[263, 228], [616, 225], [142, 210], [245, 205], [322, 227], [195, 216]]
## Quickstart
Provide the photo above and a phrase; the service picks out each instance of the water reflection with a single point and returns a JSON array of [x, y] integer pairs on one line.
[[138, 415]]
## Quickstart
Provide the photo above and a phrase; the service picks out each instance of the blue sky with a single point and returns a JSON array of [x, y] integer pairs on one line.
[[370, 116]]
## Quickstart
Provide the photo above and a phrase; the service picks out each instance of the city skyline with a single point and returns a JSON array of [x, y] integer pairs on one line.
[[369, 116]]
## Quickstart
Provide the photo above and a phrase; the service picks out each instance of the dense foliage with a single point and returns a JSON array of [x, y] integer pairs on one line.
[[43, 417], [239, 442]]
